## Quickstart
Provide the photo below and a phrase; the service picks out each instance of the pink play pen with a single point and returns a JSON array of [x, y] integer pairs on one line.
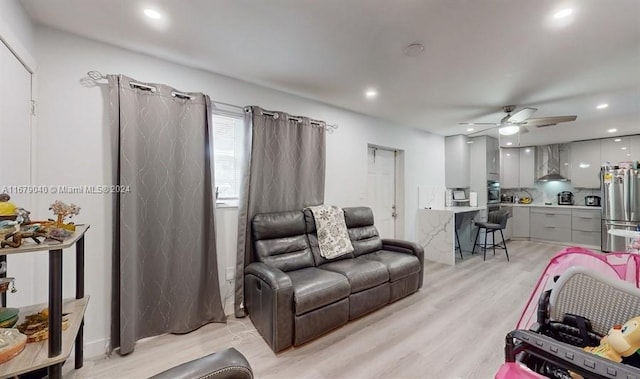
[[578, 297]]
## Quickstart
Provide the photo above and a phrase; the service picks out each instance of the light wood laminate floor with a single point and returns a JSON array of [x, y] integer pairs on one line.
[[454, 327]]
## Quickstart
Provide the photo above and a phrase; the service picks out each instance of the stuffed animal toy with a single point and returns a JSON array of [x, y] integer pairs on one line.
[[620, 342]]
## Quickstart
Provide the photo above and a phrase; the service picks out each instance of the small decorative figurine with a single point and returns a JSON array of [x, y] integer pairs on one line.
[[7, 208], [63, 210], [15, 239]]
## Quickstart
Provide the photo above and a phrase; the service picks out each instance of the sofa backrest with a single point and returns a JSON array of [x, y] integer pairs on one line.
[[312, 234], [280, 240], [364, 235]]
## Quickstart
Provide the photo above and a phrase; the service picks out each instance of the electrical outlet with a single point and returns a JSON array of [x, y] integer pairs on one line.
[[229, 273]]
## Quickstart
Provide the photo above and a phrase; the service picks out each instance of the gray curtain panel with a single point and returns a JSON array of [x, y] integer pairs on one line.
[[284, 170], [165, 266]]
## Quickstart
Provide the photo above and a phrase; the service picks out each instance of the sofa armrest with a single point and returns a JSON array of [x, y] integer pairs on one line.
[[275, 278], [226, 364], [268, 294], [406, 247]]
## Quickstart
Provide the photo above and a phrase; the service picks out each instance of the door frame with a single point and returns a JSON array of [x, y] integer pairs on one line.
[[399, 187]]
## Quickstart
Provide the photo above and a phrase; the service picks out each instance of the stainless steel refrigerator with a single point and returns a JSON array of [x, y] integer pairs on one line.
[[620, 205]]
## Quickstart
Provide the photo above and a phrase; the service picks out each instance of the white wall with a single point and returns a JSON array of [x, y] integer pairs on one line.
[[73, 150], [16, 30]]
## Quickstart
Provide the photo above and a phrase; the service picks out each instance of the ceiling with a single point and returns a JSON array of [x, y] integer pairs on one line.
[[479, 54]]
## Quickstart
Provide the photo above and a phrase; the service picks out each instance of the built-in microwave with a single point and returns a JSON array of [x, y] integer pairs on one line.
[[493, 192]]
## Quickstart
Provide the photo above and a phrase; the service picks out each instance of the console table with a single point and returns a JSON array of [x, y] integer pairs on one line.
[[53, 352]]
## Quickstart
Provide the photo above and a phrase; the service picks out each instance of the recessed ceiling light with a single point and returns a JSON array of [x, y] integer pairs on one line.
[[623, 148], [612, 130], [617, 140], [371, 93], [584, 165], [509, 144], [527, 150], [563, 13], [469, 141], [414, 49], [469, 129], [152, 14], [602, 106]]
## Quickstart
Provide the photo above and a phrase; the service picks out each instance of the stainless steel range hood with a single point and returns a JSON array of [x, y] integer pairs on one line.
[[551, 161]]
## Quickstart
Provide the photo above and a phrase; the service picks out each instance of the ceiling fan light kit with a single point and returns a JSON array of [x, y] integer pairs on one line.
[[509, 130]]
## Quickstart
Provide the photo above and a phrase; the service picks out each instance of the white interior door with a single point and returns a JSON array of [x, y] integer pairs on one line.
[[381, 184], [15, 155]]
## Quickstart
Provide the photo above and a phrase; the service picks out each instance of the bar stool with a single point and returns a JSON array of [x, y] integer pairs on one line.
[[496, 220], [458, 246]]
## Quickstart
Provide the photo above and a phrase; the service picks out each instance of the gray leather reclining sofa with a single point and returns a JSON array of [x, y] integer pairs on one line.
[[293, 294]]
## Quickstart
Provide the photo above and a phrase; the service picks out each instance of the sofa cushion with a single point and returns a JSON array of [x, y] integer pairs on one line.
[[365, 240], [280, 240], [356, 217], [363, 234], [314, 288], [399, 265], [362, 274], [310, 227]]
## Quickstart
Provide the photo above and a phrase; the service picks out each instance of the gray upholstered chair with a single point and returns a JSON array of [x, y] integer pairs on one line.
[[226, 364], [496, 220]]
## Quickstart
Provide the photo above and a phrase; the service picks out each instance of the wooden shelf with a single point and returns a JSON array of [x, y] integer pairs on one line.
[[36, 354], [28, 246]]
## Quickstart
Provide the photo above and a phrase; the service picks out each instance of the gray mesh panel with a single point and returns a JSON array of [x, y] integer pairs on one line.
[[602, 300]]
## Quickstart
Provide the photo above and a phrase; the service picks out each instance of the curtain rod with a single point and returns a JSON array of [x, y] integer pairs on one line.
[[97, 75], [328, 127]]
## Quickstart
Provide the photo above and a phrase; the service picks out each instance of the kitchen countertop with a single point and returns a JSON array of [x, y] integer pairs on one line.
[[542, 205], [457, 209]]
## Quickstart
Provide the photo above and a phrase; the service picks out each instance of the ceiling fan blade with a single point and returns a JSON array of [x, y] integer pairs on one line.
[[546, 121], [480, 131], [522, 115], [478, 123]]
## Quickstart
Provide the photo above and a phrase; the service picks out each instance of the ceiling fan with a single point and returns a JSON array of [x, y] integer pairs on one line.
[[518, 122]]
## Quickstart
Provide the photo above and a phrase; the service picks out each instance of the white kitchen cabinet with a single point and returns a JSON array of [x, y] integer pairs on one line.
[[456, 161], [508, 230], [493, 156], [482, 162], [527, 167], [634, 147], [509, 168], [615, 150], [551, 224], [517, 167], [585, 164], [520, 221], [586, 226]]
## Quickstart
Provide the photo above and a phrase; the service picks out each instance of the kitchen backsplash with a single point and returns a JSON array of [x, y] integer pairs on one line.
[[548, 192]]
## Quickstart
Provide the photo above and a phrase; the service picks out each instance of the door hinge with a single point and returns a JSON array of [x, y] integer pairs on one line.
[[33, 107]]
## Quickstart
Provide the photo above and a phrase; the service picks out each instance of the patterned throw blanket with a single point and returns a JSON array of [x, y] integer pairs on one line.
[[333, 237]]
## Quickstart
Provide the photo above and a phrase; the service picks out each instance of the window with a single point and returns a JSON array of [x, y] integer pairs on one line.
[[227, 156]]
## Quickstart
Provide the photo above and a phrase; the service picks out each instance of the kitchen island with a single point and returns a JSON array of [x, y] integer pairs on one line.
[[436, 229]]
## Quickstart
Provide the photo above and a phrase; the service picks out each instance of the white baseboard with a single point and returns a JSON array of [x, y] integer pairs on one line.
[[96, 349]]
